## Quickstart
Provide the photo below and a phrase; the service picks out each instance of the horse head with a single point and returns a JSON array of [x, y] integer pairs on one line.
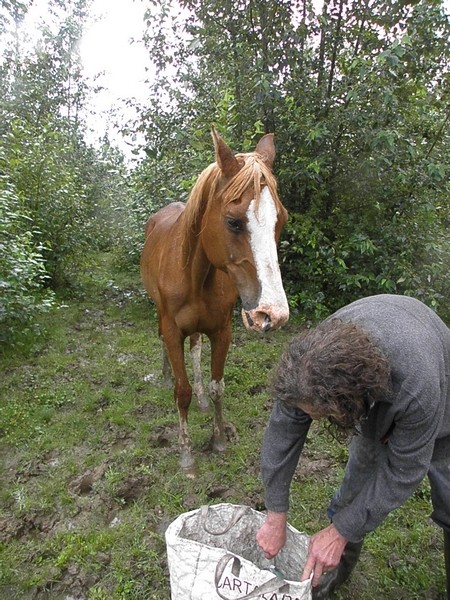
[[241, 228]]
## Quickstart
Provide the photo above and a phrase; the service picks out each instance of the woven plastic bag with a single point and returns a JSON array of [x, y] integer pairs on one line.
[[213, 554]]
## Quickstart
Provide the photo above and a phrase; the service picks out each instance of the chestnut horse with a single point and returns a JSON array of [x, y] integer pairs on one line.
[[199, 256]]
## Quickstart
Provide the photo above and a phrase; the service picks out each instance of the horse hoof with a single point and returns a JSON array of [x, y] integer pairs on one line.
[[203, 405], [219, 445], [231, 433], [187, 464], [190, 473]]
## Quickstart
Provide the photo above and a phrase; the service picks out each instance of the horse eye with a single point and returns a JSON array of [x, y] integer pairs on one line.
[[235, 225]]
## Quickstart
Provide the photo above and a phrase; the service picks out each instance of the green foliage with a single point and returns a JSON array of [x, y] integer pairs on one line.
[[324, 269], [22, 269], [62, 199], [357, 98], [47, 176]]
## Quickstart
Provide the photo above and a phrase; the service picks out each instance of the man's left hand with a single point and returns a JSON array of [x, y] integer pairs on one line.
[[324, 553]]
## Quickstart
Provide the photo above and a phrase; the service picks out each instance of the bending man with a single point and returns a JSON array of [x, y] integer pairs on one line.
[[379, 368]]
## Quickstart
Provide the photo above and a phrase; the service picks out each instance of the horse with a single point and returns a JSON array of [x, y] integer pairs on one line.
[[198, 257]]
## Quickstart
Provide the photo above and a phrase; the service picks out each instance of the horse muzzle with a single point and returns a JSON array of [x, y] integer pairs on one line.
[[264, 319]]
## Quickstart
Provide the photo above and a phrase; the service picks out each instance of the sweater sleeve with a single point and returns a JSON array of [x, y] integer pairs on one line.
[[282, 445], [402, 464]]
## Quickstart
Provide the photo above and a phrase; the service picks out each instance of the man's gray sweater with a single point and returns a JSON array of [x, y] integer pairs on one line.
[[416, 417]]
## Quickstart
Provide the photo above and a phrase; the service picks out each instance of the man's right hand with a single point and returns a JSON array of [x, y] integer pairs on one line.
[[272, 535]]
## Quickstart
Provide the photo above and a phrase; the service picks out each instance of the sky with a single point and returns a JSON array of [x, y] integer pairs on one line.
[[107, 46], [112, 61], [119, 65]]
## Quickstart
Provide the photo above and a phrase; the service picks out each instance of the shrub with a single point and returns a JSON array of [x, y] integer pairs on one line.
[[22, 269]]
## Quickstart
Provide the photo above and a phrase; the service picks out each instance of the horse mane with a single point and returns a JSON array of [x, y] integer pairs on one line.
[[253, 171]]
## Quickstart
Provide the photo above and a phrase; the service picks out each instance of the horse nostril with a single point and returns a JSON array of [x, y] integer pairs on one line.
[[267, 324], [249, 319]]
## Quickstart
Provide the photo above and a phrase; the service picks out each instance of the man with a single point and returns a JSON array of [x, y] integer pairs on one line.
[[380, 368]]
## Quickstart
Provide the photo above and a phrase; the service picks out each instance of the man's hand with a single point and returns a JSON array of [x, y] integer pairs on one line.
[[324, 553], [272, 535]]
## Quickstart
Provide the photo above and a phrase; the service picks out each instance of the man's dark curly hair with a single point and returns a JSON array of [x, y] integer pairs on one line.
[[336, 369]]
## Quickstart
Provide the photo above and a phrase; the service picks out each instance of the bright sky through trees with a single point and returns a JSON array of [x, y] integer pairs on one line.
[[114, 56], [112, 53]]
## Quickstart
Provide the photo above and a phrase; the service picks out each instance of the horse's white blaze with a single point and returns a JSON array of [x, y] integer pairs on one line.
[[261, 226]]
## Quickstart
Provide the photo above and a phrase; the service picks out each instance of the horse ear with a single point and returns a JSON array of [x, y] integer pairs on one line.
[[266, 148], [225, 158]]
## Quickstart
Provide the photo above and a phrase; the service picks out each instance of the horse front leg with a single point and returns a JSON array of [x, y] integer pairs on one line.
[[220, 344], [217, 392], [183, 396], [196, 354], [166, 369], [166, 366]]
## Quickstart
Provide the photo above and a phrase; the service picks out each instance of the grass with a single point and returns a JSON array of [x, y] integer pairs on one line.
[[89, 476]]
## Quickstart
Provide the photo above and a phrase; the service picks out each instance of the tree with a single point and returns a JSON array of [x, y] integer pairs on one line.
[[22, 267], [56, 189], [358, 98]]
